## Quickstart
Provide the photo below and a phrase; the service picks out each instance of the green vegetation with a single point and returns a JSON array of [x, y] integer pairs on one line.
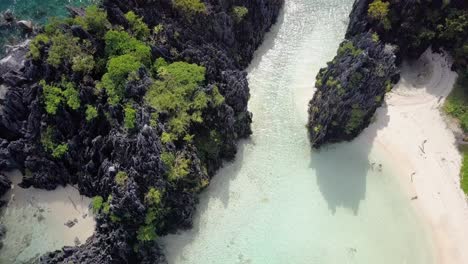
[[190, 7], [106, 205], [179, 97], [388, 86], [159, 28], [153, 197], [355, 119], [114, 218], [456, 104], [375, 37], [91, 112], [130, 116], [119, 43], [54, 95], [95, 21], [209, 145], [84, 64], [60, 150], [47, 140], [464, 173], [178, 166], [217, 98], [355, 80], [66, 48], [121, 178], [378, 10], [177, 93], [71, 95], [36, 45], [97, 204], [348, 46], [331, 82], [127, 55], [118, 71], [139, 29], [146, 233], [456, 25], [239, 12]]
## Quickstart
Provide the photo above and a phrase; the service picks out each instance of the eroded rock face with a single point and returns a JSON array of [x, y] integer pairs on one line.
[[350, 90], [99, 148], [341, 109], [5, 184]]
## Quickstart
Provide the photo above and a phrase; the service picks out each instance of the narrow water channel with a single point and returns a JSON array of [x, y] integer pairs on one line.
[[280, 202]]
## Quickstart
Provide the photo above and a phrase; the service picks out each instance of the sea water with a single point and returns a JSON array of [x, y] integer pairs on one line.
[[37, 11], [280, 202]]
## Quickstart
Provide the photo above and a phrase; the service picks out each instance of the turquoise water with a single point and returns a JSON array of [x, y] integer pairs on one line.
[[35, 10], [280, 202], [39, 10]]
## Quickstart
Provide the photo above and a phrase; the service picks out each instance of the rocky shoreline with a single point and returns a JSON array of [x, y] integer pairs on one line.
[[394, 31], [144, 177]]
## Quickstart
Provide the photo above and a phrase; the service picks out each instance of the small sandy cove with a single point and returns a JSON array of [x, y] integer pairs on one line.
[[420, 142], [35, 221]]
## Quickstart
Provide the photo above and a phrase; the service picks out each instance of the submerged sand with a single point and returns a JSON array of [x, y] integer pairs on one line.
[[418, 138], [35, 221]]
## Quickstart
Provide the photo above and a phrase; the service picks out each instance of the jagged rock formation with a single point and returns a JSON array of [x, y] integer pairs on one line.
[[125, 166], [5, 184], [409, 28], [350, 89]]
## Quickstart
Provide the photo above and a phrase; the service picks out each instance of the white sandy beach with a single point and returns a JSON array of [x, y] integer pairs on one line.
[[35, 221], [414, 133]]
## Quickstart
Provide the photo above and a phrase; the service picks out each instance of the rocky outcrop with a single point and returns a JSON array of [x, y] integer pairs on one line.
[[99, 149], [350, 89], [5, 184], [409, 28]]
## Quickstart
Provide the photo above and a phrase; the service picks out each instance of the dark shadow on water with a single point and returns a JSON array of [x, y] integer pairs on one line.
[[217, 190], [341, 169]]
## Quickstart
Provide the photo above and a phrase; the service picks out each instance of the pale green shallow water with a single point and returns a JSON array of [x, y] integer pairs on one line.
[[279, 202]]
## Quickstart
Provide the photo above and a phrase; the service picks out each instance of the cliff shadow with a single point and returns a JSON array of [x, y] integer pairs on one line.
[[430, 74], [342, 169], [218, 190]]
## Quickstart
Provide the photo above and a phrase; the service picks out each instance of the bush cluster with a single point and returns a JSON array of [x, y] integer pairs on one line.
[[55, 94], [190, 7], [239, 12], [56, 150]]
